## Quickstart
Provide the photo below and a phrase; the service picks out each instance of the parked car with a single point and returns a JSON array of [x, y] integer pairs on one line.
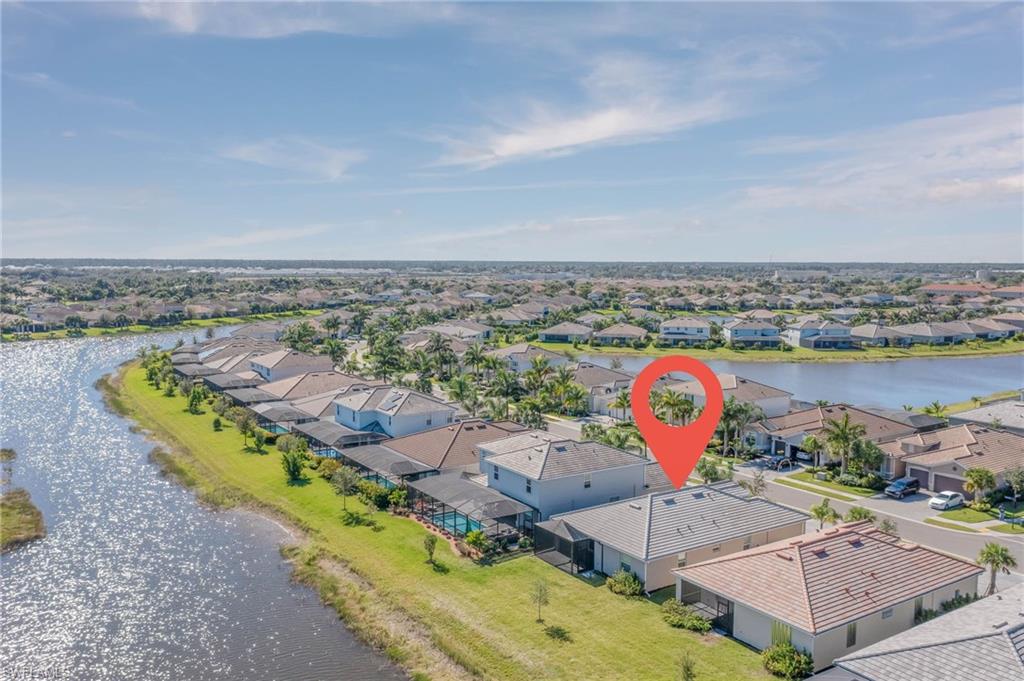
[[945, 500], [777, 463], [902, 487]]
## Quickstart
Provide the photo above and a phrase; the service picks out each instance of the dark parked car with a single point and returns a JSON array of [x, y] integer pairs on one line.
[[902, 487], [777, 463]]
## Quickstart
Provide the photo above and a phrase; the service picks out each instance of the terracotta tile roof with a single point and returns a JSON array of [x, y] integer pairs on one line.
[[823, 580], [313, 383], [970, 445], [810, 421], [454, 445], [743, 389], [621, 331]]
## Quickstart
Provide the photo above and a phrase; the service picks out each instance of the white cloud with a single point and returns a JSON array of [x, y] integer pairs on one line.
[[962, 157], [297, 154]]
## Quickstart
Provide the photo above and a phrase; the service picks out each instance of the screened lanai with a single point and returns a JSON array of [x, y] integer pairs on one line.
[[458, 505]]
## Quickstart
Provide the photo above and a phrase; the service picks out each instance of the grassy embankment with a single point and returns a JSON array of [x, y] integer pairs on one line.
[[20, 520], [454, 621], [982, 400], [187, 325], [970, 349]]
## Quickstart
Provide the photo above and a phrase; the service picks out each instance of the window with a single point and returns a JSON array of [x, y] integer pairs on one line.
[[886, 614], [495, 473], [918, 606], [586, 481], [851, 634], [429, 421], [529, 486], [746, 543], [626, 566], [681, 560]]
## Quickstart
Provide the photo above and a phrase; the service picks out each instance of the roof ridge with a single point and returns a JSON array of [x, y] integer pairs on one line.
[[1003, 633], [804, 591], [647, 530]]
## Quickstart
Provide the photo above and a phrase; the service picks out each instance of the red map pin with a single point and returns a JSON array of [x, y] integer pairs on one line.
[[677, 448]]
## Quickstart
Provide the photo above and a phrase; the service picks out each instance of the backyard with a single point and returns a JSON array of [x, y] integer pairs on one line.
[[482, 617]]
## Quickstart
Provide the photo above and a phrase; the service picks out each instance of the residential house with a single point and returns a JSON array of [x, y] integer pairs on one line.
[[819, 335], [965, 290], [315, 383], [935, 333], [653, 534], [1012, 318], [685, 331], [772, 401], [677, 304], [461, 329], [983, 640], [829, 593], [590, 319], [392, 411], [1009, 292], [279, 364], [457, 504], [783, 434], [602, 385], [453, 447], [554, 475], [620, 334], [519, 357], [326, 437], [940, 459], [566, 332], [877, 335], [751, 334]]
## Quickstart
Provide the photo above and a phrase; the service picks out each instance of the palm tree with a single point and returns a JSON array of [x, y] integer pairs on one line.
[[978, 481], [459, 387], [331, 324], [574, 400], [528, 412], [756, 486], [996, 558], [936, 409], [824, 513], [617, 437], [840, 437], [812, 446], [335, 349], [622, 401], [678, 409], [505, 384], [474, 357], [745, 414], [497, 408]]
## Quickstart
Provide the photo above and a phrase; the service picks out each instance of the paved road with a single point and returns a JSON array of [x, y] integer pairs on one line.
[[964, 544]]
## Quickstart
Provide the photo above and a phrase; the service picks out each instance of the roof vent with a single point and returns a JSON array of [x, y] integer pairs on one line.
[[635, 506], [1000, 625], [784, 556]]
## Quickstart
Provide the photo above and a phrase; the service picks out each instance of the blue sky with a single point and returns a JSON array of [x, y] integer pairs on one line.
[[723, 131]]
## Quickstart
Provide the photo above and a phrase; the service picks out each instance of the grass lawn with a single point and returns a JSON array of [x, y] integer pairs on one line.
[[20, 520], [1007, 528], [852, 491], [948, 526], [966, 515], [814, 490], [868, 354], [185, 325], [967, 405], [481, 616]]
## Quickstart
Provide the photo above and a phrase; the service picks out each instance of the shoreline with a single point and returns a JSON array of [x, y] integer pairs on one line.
[[459, 620], [22, 520]]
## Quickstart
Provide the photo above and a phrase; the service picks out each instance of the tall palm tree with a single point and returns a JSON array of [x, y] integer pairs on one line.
[[840, 437], [497, 408], [622, 401], [996, 558], [505, 384], [459, 387], [574, 400], [812, 445], [937, 409], [824, 513], [617, 437], [474, 357], [676, 407]]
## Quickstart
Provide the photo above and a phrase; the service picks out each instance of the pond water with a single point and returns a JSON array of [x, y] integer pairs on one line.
[[135, 580], [887, 384]]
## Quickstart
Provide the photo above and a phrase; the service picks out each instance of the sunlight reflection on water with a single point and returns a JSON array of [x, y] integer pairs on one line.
[[135, 580]]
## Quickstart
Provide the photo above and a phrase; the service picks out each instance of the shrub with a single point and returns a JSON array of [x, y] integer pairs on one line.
[[398, 498], [327, 468], [479, 541], [848, 479], [371, 492], [981, 506], [217, 424], [682, 616], [783, 660], [625, 584], [525, 543], [872, 481]]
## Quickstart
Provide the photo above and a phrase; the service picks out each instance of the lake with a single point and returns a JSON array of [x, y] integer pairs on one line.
[[136, 580], [887, 384]]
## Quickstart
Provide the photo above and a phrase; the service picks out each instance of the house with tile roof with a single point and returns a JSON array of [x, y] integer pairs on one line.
[[602, 385], [519, 357], [977, 642], [621, 334], [279, 364], [772, 401], [684, 331], [311, 383], [566, 332], [453, 446], [392, 411], [829, 593], [555, 475], [653, 534], [751, 333], [818, 334], [783, 434], [940, 459]]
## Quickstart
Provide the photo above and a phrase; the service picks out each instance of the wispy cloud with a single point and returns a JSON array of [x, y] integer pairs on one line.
[[47, 83], [298, 155], [969, 156], [937, 23]]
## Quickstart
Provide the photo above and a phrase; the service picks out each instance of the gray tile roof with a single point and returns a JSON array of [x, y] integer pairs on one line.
[[979, 642], [544, 457], [665, 523]]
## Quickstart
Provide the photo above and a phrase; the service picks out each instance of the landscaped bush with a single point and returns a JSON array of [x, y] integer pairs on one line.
[[682, 616], [371, 492], [872, 481], [479, 541], [398, 499], [525, 543], [328, 467], [625, 584], [848, 479], [783, 660]]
